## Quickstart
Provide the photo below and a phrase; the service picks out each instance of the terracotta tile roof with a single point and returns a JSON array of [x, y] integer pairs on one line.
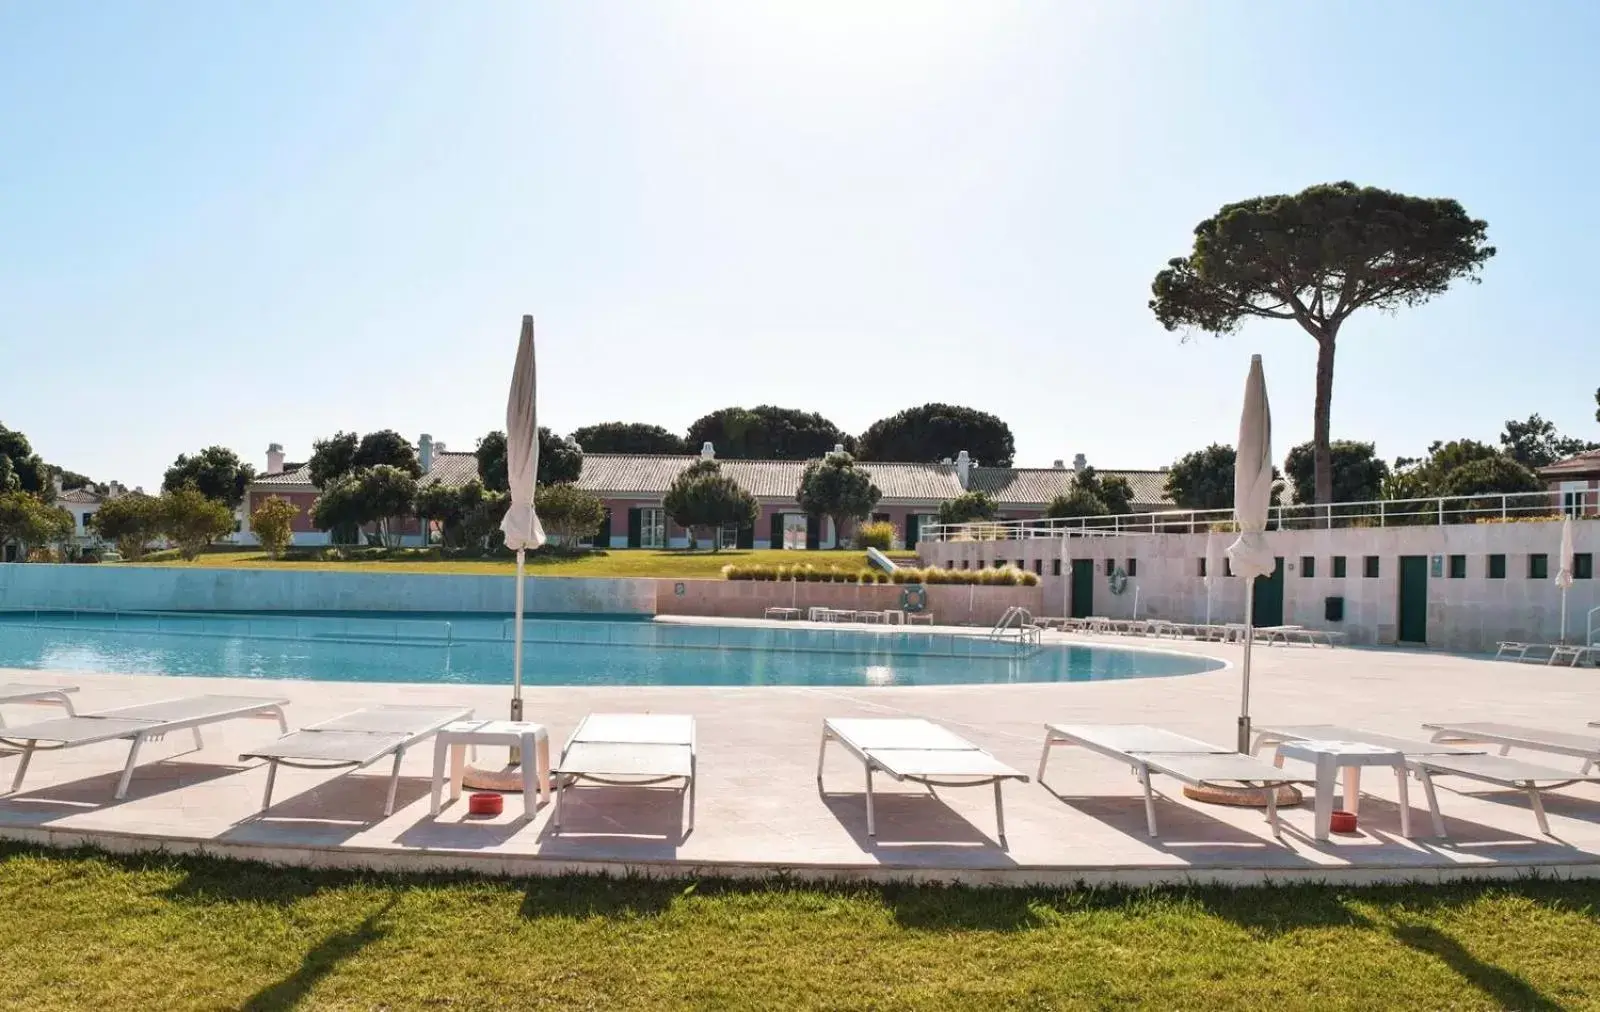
[[1036, 486], [451, 469], [80, 496], [650, 474], [292, 474], [1584, 465]]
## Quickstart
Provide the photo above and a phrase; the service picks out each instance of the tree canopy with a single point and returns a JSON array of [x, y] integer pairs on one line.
[[387, 447], [333, 458], [130, 521], [193, 519], [1358, 472], [1111, 491], [702, 498], [568, 512], [836, 488], [272, 523], [628, 437], [26, 517], [560, 460], [1315, 257], [1535, 443], [21, 470], [1459, 467], [765, 432], [372, 495], [933, 432], [1080, 502], [1203, 479], [216, 471], [967, 507]]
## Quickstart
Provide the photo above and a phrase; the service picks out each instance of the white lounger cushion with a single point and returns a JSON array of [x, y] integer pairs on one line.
[[1216, 769], [1499, 769], [1138, 738], [1339, 732], [17, 692], [1518, 735], [341, 747], [637, 728], [627, 759]]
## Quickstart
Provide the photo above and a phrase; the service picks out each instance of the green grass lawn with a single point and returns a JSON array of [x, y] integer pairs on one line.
[[94, 931], [615, 562]]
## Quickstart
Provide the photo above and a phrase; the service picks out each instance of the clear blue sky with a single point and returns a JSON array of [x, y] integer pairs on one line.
[[245, 223]]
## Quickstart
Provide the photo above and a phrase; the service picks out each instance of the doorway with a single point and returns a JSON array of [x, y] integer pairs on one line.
[[1267, 609], [1413, 599], [1082, 588]]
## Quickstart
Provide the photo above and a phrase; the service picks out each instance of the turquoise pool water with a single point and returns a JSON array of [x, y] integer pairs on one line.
[[477, 649]]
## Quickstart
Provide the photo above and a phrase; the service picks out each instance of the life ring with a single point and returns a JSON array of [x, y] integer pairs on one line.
[[1118, 580], [914, 598]]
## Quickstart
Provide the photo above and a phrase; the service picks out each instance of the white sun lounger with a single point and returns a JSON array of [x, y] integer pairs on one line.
[[1449, 757], [919, 751], [1510, 736], [1196, 763], [18, 693], [355, 741], [138, 724], [630, 750]]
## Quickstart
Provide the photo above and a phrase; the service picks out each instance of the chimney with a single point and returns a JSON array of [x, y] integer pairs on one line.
[[1059, 465], [947, 462], [425, 452], [963, 468], [1079, 462], [438, 448], [114, 489], [707, 451], [274, 458]]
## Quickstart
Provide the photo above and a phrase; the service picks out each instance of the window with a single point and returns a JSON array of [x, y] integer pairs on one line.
[[1111, 566], [1055, 567], [1338, 567], [1369, 567], [652, 528], [1308, 566], [1227, 565], [728, 536], [1133, 567], [1583, 566], [964, 564], [1458, 567], [1497, 567], [1038, 567], [1022, 564], [1539, 567], [999, 563], [1202, 566]]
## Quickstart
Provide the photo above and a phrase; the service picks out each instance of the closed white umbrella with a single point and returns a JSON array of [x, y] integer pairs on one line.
[[1564, 573], [521, 524], [1252, 500]]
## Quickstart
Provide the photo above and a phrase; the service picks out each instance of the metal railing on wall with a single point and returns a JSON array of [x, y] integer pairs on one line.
[[1433, 511]]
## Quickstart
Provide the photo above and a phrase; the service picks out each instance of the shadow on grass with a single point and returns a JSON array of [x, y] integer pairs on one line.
[[322, 960], [1504, 988]]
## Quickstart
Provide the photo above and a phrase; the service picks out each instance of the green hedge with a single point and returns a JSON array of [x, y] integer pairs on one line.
[[932, 576]]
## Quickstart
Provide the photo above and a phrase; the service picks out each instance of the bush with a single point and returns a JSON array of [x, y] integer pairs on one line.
[[273, 525], [1028, 579], [879, 534]]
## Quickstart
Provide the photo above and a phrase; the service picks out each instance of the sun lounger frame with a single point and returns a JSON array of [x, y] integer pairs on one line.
[[871, 762], [21, 693], [393, 742], [137, 729], [1168, 762], [566, 777]]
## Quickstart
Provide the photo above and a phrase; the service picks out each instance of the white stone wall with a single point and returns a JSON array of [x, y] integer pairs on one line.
[[1468, 615]]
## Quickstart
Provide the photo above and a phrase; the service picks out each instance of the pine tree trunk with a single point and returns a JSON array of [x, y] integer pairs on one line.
[[1322, 452]]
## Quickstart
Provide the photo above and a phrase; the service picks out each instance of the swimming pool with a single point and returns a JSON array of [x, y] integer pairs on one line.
[[477, 649]]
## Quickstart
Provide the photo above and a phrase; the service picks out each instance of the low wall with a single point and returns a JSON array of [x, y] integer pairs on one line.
[[1469, 613], [950, 605], [160, 588]]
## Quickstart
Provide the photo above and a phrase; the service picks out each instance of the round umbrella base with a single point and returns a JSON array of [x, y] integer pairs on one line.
[[1242, 797], [503, 780]]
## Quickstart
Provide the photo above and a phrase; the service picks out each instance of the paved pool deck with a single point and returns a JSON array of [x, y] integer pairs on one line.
[[759, 811]]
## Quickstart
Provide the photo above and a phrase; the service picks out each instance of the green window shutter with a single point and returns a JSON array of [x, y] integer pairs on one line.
[[912, 524], [1497, 567], [813, 532], [635, 527], [776, 533], [1583, 566], [746, 537], [1338, 567]]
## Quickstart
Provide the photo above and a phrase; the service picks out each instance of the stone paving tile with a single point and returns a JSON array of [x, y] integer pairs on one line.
[[758, 801]]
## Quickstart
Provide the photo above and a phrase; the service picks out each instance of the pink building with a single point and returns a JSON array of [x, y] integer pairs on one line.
[[1577, 481]]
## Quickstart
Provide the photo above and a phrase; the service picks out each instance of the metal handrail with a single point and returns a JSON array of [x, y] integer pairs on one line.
[[1431, 511]]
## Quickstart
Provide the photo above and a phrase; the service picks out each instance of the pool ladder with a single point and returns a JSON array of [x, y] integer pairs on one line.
[[1019, 619]]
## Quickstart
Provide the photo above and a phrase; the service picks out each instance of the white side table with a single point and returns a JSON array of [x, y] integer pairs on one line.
[[533, 739], [1331, 756]]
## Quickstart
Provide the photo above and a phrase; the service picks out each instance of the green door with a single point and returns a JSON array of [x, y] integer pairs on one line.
[[1413, 599], [1268, 610], [813, 533], [913, 521], [1082, 588]]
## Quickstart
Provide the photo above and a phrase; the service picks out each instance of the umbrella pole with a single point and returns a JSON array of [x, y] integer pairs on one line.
[[1563, 616], [516, 663], [1249, 638]]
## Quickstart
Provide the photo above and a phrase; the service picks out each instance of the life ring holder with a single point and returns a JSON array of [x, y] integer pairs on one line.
[[1118, 580], [914, 598]]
